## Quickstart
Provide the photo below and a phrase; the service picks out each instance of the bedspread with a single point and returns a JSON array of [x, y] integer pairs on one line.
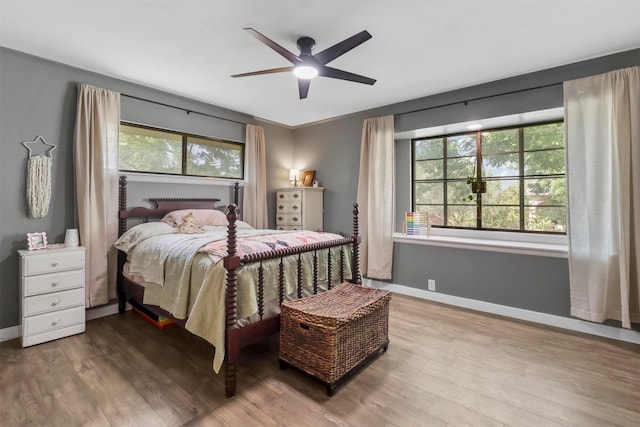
[[183, 274]]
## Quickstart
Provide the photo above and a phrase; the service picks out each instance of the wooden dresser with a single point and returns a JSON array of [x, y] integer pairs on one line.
[[299, 208], [52, 294]]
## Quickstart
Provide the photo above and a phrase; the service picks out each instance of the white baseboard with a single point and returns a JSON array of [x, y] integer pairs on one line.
[[103, 310], [515, 313], [13, 332], [9, 333]]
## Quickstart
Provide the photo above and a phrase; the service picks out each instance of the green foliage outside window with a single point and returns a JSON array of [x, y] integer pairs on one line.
[[144, 149], [523, 168]]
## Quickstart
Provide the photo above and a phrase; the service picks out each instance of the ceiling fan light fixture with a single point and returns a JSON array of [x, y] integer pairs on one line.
[[305, 72]]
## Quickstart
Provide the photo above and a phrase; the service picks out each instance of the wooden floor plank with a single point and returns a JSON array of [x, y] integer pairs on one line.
[[444, 366]]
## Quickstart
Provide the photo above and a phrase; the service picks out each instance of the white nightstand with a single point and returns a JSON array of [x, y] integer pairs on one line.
[[52, 294]]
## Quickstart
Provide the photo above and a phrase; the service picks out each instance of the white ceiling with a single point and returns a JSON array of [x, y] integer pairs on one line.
[[419, 47]]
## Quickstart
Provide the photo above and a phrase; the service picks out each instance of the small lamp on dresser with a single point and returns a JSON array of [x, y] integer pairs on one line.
[[294, 176]]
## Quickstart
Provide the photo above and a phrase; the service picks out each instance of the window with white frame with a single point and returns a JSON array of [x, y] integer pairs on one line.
[[151, 150], [507, 179]]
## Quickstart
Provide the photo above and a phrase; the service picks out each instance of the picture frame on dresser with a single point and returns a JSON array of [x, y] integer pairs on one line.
[[36, 241], [307, 178]]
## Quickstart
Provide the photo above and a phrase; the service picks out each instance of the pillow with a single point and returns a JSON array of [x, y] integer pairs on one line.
[[201, 217], [240, 225], [139, 232]]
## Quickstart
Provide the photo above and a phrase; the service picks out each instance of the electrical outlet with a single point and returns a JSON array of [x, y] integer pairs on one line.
[[431, 285]]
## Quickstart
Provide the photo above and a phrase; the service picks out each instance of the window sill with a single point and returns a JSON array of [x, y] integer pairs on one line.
[[176, 179], [554, 249]]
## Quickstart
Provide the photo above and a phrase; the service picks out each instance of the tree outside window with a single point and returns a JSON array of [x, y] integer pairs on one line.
[[522, 168]]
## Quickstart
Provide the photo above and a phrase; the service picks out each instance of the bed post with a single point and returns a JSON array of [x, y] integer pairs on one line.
[[355, 271], [231, 263], [236, 193], [122, 227]]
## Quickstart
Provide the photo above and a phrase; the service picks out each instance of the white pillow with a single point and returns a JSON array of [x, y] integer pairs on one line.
[[201, 217], [139, 232]]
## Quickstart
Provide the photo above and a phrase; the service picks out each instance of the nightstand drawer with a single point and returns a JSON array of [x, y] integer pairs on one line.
[[49, 262], [53, 282], [53, 301], [52, 321]]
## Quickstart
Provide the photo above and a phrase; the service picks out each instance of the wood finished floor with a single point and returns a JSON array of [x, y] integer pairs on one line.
[[444, 366]]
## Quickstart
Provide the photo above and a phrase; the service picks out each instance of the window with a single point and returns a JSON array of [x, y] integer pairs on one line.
[[508, 179], [150, 150]]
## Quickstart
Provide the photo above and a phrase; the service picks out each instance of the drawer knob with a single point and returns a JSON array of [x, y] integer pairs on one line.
[[55, 322], [295, 218], [56, 302], [54, 284], [281, 196], [280, 207], [54, 264], [294, 207]]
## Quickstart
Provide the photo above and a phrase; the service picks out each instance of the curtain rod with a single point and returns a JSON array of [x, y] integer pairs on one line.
[[465, 102], [181, 108]]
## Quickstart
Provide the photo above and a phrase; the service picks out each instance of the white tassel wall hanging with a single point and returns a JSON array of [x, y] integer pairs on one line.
[[39, 179]]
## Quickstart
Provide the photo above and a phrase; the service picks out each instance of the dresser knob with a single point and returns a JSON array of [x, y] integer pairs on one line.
[[295, 219], [56, 302], [295, 207], [54, 264], [54, 284], [55, 322], [295, 196]]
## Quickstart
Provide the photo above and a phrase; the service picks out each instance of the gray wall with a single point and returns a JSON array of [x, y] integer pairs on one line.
[[38, 97], [333, 150]]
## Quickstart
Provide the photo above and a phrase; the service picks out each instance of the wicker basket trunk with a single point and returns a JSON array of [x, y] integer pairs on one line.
[[330, 334]]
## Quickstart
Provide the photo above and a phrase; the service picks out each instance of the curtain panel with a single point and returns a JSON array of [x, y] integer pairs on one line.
[[96, 187], [254, 193], [376, 197], [602, 135]]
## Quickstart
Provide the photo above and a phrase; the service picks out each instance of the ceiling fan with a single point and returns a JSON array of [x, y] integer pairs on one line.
[[307, 66]]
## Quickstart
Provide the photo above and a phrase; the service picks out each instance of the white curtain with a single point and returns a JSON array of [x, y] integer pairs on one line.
[[602, 133], [254, 193], [96, 184], [376, 197]]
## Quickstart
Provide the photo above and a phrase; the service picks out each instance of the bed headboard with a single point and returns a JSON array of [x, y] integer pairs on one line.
[[163, 205]]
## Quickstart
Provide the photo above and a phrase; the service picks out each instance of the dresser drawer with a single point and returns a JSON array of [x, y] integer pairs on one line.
[[53, 282], [52, 321], [52, 261], [44, 303]]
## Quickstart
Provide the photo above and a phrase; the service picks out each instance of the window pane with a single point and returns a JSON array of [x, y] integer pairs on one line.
[[460, 167], [544, 162], [504, 217], [461, 216], [428, 169], [545, 192], [149, 150], [461, 145], [501, 165], [543, 136], [435, 213], [545, 219], [500, 141], [206, 157], [458, 192], [428, 193], [502, 192], [429, 148]]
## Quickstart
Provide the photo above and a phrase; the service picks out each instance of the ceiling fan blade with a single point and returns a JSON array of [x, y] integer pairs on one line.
[[271, 71], [303, 87], [331, 53], [334, 73], [293, 58]]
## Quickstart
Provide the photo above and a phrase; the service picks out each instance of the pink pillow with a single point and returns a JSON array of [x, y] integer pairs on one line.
[[201, 217]]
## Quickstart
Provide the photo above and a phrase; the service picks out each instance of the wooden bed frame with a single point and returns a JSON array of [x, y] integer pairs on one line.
[[235, 338]]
